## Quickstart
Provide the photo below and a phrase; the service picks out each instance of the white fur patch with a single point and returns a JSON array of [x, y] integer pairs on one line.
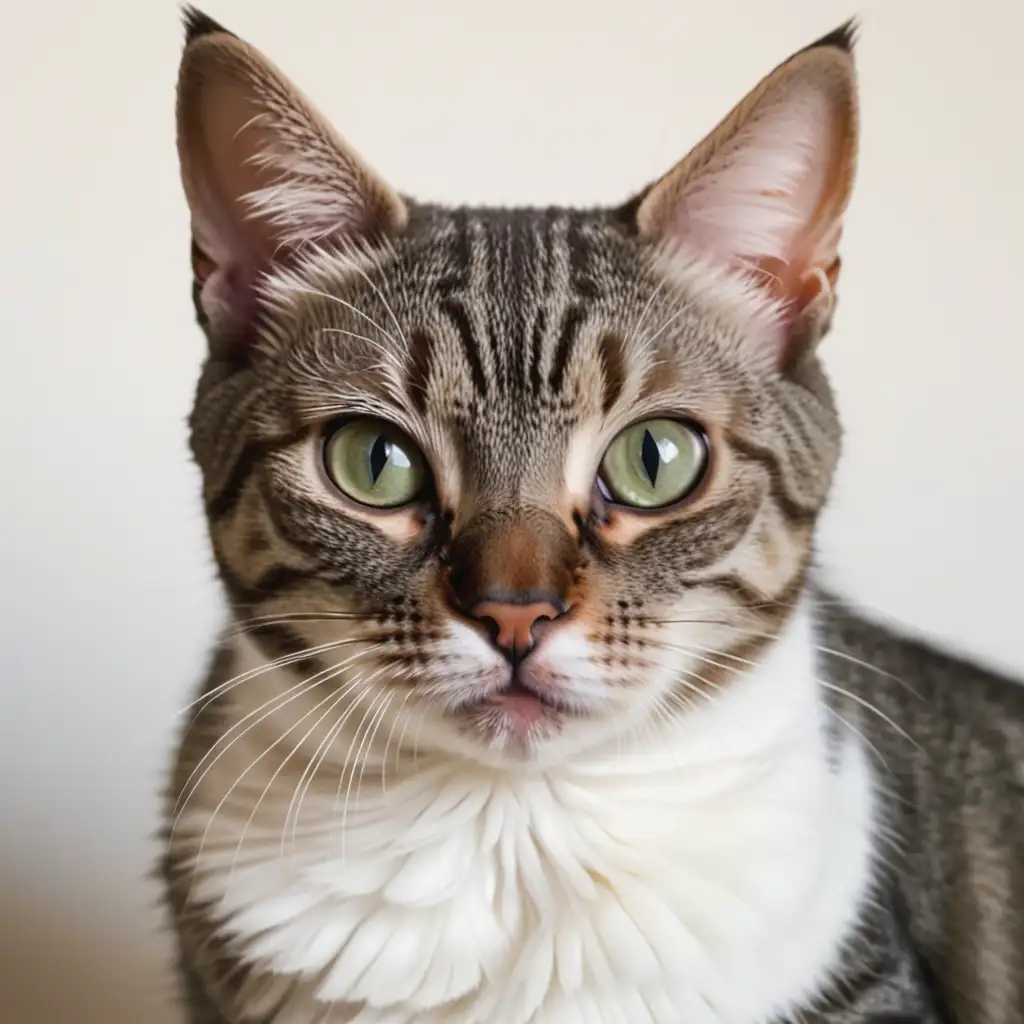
[[706, 872], [734, 294]]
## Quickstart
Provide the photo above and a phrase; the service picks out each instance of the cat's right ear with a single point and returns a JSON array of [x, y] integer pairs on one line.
[[265, 176], [763, 196]]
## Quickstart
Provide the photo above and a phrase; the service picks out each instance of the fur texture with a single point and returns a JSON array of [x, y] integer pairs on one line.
[[695, 793], [615, 887]]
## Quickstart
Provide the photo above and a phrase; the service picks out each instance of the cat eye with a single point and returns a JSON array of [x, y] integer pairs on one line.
[[374, 463], [654, 463]]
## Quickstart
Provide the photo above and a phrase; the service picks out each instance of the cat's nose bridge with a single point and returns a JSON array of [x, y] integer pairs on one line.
[[513, 556]]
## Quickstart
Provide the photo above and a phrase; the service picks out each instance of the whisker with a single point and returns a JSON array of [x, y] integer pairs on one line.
[[647, 309], [761, 635], [292, 693], [860, 735], [353, 761], [380, 295], [337, 669], [333, 699], [305, 783], [867, 705], [694, 651], [663, 707], [842, 655], [205, 699], [647, 342], [818, 602], [706, 690], [821, 682], [684, 702], [416, 737], [254, 628], [391, 735], [645, 731], [401, 737], [376, 723], [316, 293], [385, 352], [189, 788], [272, 618]]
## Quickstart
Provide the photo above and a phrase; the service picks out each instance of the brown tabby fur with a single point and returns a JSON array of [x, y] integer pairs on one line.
[[496, 339]]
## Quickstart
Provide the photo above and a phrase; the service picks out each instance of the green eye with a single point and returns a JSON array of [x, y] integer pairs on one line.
[[654, 463], [374, 463]]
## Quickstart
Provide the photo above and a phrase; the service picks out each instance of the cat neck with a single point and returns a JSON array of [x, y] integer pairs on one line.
[[721, 860]]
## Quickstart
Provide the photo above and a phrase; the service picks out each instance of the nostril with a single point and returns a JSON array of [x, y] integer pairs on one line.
[[541, 623], [491, 625]]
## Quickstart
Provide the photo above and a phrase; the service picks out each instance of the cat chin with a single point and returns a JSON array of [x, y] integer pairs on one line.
[[498, 745], [496, 732]]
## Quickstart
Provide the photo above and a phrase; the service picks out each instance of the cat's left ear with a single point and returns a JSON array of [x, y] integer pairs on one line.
[[764, 194]]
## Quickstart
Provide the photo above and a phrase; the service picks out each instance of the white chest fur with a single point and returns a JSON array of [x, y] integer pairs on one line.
[[707, 874]]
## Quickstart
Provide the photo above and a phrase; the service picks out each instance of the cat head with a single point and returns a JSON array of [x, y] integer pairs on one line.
[[535, 478]]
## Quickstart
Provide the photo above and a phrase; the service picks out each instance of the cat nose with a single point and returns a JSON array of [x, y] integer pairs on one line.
[[512, 625]]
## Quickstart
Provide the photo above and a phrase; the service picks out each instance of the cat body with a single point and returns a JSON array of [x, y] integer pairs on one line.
[[902, 953], [530, 710]]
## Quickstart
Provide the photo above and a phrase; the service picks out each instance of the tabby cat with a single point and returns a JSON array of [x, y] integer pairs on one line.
[[530, 709]]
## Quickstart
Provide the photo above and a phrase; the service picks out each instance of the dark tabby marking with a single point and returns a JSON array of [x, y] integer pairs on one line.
[[510, 348]]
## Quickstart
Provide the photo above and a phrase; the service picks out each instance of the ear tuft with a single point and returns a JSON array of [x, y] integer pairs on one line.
[[842, 38], [198, 24]]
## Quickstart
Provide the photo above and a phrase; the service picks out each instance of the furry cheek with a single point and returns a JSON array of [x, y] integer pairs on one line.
[[468, 668], [566, 666]]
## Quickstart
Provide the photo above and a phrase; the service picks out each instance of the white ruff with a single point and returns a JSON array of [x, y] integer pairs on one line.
[[706, 877]]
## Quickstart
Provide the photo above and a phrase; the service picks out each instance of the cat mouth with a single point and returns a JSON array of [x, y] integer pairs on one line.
[[517, 710]]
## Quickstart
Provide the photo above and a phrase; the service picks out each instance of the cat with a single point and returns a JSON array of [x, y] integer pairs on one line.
[[531, 710]]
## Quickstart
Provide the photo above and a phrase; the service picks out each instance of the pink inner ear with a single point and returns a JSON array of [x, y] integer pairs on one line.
[[754, 202], [223, 169], [232, 143], [265, 176]]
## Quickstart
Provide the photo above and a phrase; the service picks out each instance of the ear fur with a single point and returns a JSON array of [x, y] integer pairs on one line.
[[264, 174], [763, 195]]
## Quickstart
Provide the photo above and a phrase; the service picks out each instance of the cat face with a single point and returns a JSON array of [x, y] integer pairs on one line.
[[523, 480]]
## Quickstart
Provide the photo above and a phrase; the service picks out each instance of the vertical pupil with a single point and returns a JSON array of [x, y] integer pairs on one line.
[[651, 457], [380, 453]]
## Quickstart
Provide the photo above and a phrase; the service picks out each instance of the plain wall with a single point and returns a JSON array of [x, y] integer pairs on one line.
[[109, 598]]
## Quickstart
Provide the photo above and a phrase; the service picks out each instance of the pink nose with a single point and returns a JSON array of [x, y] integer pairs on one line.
[[515, 623]]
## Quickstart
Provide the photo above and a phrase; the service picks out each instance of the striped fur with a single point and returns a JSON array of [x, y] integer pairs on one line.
[[512, 346]]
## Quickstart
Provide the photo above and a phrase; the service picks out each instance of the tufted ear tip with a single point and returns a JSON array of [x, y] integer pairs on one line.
[[197, 24], [844, 37]]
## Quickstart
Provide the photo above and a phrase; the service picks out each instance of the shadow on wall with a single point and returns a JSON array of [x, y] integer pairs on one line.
[[64, 962]]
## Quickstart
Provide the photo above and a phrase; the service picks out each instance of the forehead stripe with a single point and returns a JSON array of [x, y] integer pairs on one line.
[[454, 310], [571, 324]]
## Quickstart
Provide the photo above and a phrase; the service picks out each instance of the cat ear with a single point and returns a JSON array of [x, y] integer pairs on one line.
[[264, 174], [764, 194]]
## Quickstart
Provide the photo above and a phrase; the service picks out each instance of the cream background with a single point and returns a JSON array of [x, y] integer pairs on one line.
[[108, 595]]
